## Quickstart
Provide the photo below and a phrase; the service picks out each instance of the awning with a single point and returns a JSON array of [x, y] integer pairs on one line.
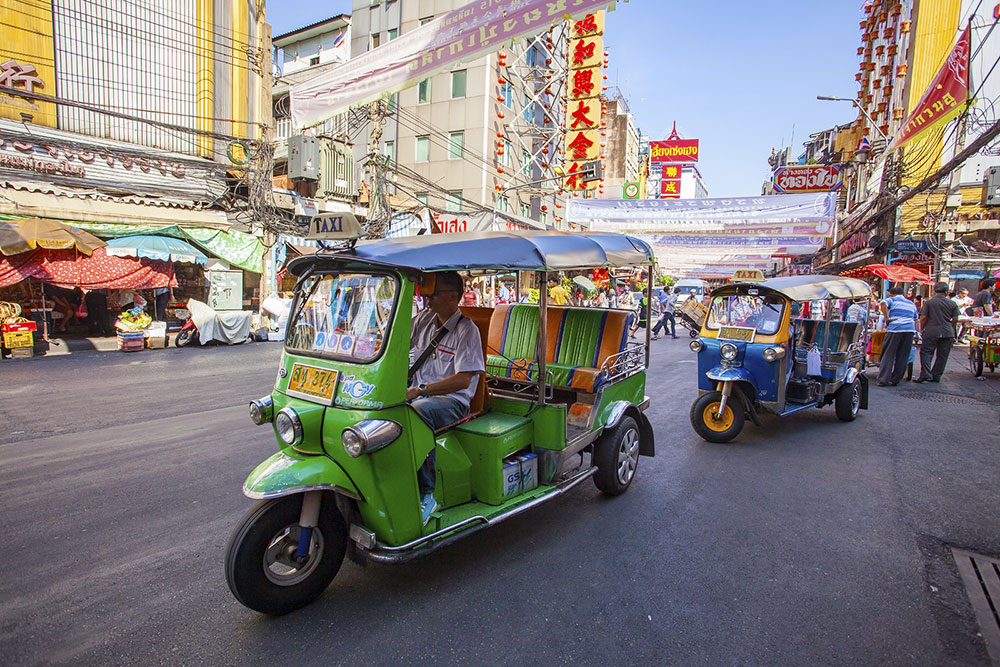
[[163, 248], [237, 248], [77, 209], [70, 268], [897, 273], [964, 274]]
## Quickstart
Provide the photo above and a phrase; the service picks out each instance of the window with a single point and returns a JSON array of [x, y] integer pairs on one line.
[[342, 315], [393, 34], [424, 91], [423, 149], [526, 163], [507, 90], [530, 57], [314, 61], [390, 150], [454, 201], [458, 84], [393, 100], [421, 197], [529, 109], [505, 158], [525, 210], [456, 145], [737, 310], [503, 204], [426, 19], [375, 40], [543, 217]]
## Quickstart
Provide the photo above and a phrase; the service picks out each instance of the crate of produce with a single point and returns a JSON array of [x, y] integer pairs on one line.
[[131, 342], [17, 339]]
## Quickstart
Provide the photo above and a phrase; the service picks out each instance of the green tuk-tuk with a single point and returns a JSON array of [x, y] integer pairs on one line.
[[561, 401]]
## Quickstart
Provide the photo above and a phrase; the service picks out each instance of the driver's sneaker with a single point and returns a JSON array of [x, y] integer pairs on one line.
[[428, 505]]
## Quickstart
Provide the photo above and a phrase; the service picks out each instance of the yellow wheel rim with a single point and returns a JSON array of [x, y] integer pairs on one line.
[[717, 424]]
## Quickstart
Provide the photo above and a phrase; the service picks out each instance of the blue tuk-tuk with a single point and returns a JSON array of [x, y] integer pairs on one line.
[[781, 346]]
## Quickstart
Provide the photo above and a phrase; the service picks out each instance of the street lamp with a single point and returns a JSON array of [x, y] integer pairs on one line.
[[871, 120]]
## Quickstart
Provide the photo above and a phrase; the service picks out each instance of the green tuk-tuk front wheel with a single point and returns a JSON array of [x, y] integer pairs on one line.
[[262, 570]]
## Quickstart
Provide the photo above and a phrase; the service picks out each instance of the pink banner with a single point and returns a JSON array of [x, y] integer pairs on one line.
[[461, 35]]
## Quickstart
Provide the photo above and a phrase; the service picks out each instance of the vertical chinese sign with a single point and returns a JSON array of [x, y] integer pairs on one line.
[[583, 113], [670, 185], [27, 63]]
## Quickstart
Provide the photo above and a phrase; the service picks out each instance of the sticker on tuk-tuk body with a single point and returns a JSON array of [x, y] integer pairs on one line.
[[364, 347], [312, 383], [742, 334], [346, 345]]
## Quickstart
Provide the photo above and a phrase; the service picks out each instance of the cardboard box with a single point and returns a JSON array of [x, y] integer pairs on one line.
[[529, 471]]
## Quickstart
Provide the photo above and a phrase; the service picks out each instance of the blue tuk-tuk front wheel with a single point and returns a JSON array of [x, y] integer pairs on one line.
[[709, 424]]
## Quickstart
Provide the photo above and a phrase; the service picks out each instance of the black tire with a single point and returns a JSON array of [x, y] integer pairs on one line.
[[722, 430], [976, 361], [185, 337], [848, 401], [262, 589], [616, 455]]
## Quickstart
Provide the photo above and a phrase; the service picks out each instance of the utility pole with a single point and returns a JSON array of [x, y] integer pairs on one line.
[[266, 114], [378, 215]]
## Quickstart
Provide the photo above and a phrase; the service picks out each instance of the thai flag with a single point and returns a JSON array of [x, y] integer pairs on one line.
[[339, 39]]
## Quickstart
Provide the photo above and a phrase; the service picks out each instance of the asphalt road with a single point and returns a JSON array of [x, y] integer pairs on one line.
[[808, 541]]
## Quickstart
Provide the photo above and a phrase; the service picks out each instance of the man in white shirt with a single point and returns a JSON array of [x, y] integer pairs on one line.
[[443, 386]]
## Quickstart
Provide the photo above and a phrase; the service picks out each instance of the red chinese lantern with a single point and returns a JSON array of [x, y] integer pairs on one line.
[[500, 115], [501, 80], [499, 170], [544, 207], [499, 98], [499, 135]]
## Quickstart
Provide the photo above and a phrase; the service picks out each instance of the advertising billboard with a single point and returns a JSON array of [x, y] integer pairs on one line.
[[674, 150], [810, 178]]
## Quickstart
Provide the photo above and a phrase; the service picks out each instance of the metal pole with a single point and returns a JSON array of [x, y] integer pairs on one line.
[[543, 305], [649, 310]]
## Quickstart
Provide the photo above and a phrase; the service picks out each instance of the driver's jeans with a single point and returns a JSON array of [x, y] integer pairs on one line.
[[437, 412]]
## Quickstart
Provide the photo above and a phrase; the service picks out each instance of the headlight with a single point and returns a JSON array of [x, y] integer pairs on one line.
[[262, 410], [773, 353], [696, 346], [288, 426], [369, 435], [728, 351]]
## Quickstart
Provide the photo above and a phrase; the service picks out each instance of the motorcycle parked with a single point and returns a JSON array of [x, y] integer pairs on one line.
[[205, 324]]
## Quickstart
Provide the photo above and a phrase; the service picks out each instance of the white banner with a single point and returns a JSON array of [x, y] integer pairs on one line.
[[461, 35]]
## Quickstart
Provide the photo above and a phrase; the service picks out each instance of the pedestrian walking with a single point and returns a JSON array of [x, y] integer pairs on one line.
[[668, 301], [984, 299], [938, 322], [901, 315]]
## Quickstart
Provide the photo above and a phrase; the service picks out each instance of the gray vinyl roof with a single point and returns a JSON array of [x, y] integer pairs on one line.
[[814, 288]]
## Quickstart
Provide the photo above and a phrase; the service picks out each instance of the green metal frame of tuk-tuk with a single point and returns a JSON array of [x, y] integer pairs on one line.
[[562, 401]]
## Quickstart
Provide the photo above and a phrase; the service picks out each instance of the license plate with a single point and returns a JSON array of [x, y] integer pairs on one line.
[[312, 383], [743, 334]]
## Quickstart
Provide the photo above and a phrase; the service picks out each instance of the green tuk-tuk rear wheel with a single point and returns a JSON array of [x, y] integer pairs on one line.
[[711, 426], [616, 455], [261, 568]]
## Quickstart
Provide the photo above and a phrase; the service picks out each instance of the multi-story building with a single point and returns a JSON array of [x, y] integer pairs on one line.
[[476, 136], [137, 117], [621, 164]]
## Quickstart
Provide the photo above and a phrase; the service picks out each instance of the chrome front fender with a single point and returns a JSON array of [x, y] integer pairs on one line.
[[722, 374]]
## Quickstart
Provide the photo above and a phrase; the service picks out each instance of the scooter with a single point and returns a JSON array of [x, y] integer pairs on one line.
[[205, 324]]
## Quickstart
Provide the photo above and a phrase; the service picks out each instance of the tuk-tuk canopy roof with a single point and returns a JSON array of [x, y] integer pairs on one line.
[[514, 251], [814, 288]]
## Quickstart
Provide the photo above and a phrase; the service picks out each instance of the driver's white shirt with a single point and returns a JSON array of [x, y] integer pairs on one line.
[[460, 351]]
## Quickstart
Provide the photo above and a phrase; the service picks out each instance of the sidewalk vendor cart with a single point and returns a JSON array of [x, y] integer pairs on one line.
[[984, 344]]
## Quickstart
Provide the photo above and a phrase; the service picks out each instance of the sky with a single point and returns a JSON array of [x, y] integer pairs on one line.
[[742, 77]]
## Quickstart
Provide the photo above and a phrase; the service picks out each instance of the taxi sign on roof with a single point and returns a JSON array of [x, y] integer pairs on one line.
[[334, 227], [748, 276]]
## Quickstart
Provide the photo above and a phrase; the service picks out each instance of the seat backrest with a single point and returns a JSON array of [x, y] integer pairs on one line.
[[513, 331], [481, 318], [580, 336]]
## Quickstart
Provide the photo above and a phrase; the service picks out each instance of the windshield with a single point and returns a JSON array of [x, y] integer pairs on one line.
[[688, 289], [757, 312], [344, 315]]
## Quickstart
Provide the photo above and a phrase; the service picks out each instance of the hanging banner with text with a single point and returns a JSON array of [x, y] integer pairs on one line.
[[945, 97], [461, 35]]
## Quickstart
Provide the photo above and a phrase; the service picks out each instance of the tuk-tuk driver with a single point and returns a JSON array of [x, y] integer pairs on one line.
[[443, 386]]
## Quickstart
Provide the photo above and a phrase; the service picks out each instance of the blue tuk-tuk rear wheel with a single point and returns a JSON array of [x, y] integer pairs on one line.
[[709, 424], [847, 402], [262, 567]]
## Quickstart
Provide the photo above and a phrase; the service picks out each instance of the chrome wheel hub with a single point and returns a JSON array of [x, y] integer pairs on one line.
[[281, 565], [628, 456]]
